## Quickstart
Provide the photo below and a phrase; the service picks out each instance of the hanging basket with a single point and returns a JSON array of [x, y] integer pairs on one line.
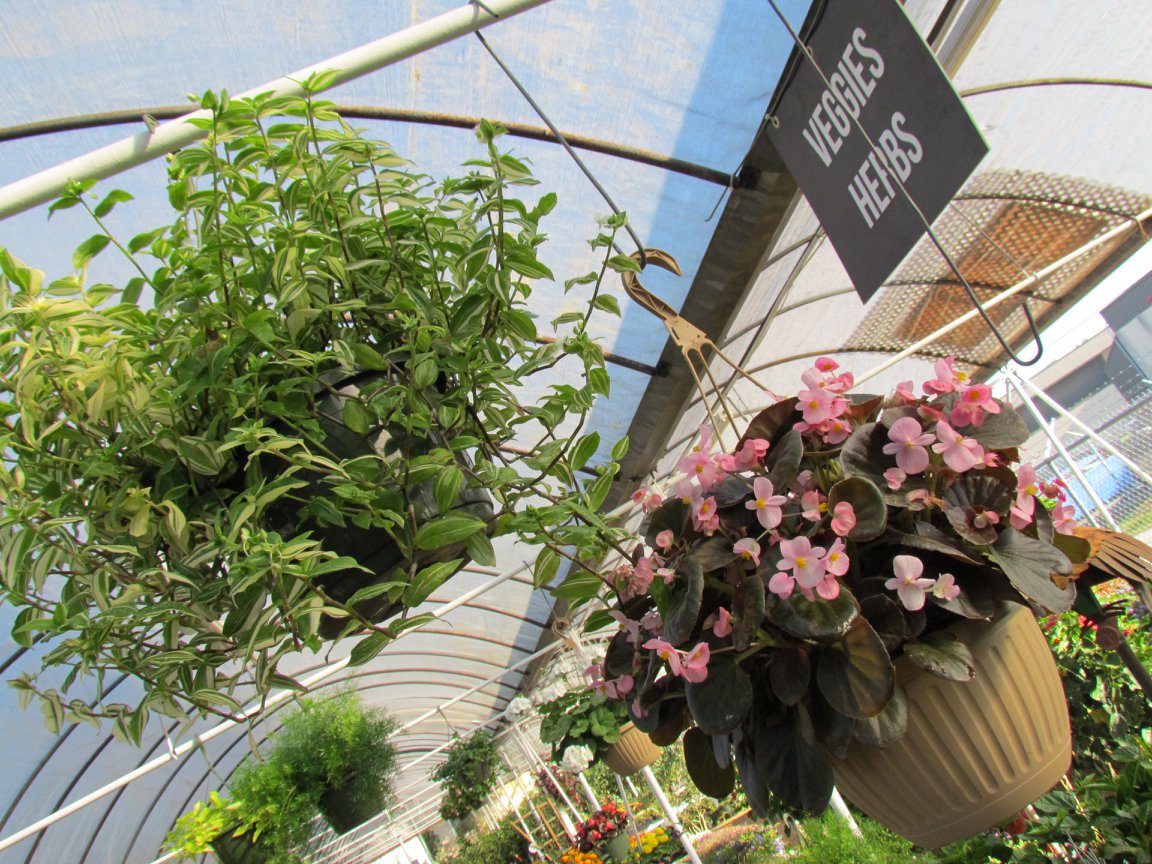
[[974, 754], [373, 548], [351, 804], [632, 752], [230, 849]]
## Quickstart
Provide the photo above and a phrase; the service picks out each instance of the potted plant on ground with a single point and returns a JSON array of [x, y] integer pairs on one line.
[[292, 424], [337, 754], [468, 774], [778, 582]]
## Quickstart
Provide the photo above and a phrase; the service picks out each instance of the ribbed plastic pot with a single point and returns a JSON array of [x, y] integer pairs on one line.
[[632, 752], [975, 753]]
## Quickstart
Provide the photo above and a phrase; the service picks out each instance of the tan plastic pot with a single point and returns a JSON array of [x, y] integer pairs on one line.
[[976, 753], [632, 752]]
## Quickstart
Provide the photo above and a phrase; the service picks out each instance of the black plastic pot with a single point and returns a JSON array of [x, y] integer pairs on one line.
[[351, 804], [238, 850], [374, 548]]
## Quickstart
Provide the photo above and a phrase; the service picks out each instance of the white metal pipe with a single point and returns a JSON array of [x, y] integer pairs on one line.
[[534, 757], [670, 812], [174, 134], [1106, 237], [1087, 430], [1055, 439], [840, 808], [589, 792]]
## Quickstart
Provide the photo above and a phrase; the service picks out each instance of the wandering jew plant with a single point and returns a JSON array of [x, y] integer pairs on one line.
[[293, 423], [777, 582]]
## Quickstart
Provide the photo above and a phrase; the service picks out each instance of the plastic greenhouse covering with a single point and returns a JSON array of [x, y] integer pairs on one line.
[[672, 97]]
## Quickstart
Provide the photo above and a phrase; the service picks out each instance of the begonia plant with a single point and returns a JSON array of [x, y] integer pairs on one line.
[[777, 582]]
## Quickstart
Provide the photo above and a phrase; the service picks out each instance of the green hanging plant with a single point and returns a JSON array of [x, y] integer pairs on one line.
[[468, 774], [294, 423]]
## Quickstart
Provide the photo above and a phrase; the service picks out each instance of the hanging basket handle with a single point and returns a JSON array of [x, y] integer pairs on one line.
[[642, 295]]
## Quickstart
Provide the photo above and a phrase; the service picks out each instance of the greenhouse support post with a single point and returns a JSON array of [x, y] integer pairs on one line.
[[666, 806], [1016, 378], [589, 792], [1055, 439], [175, 134], [840, 808], [534, 759]]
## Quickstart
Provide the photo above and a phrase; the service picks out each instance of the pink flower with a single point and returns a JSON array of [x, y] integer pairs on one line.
[[652, 621], [723, 625], [836, 431], [946, 377], [843, 519], [666, 652], [908, 582], [1021, 514], [666, 573], [836, 562], [687, 491], [1026, 482], [828, 587], [782, 585], [946, 587], [695, 664], [765, 503], [700, 467], [746, 458], [909, 443], [704, 516], [803, 560], [665, 539], [826, 364], [631, 628], [960, 453], [904, 393], [815, 404], [972, 404], [812, 505], [748, 549], [895, 478], [1064, 518], [624, 685]]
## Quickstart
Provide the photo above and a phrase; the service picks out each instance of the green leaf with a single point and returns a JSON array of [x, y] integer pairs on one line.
[[854, 674], [1030, 565], [372, 591], [607, 303], [578, 587], [428, 580], [887, 726], [544, 571], [687, 598], [722, 700], [525, 263], [747, 610], [446, 488], [356, 417], [88, 250], [795, 767], [368, 647], [821, 619], [480, 550], [700, 761], [790, 674], [943, 654], [867, 503], [620, 449], [783, 459], [447, 530], [584, 450], [113, 198]]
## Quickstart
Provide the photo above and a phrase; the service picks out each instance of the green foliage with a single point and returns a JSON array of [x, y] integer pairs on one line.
[[581, 717], [829, 840], [468, 774], [322, 746], [1105, 704], [501, 846], [329, 743], [745, 843], [187, 490]]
